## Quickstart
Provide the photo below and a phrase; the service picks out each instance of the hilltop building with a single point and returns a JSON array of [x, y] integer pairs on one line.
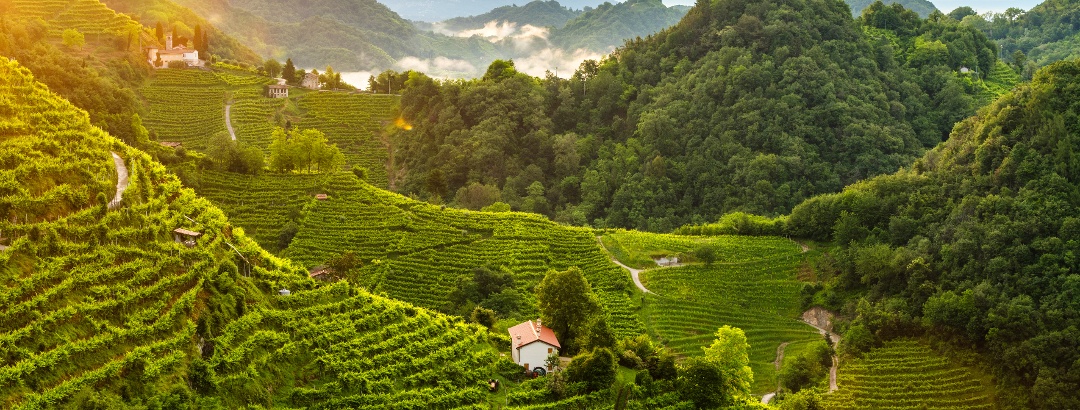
[[531, 344], [311, 81], [170, 54]]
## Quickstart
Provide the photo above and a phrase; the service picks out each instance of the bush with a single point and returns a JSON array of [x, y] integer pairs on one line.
[[596, 369]]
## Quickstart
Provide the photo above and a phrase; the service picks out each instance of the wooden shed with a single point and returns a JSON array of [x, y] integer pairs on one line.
[[186, 237]]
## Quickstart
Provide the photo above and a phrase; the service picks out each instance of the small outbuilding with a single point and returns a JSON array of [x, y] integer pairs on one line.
[[277, 91], [322, 273], [667, 261], [530, 345], [169, 144], [284, 292], [322, 197], [186, 237]]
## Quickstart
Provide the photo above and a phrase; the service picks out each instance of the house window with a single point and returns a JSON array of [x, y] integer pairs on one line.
[[549, 350]]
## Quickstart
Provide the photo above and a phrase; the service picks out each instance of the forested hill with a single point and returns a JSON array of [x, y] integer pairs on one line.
[[976, 241], [537, 13], [923, 7], [1047, 33], [609, 25], [744, 105]]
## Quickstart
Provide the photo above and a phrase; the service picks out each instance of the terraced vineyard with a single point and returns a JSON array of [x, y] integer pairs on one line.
[[1001, 80], [102, 306], [186, 106], [87, 16], [261, 205], [754, 289], [639, 249], [905, 374], [352, 121], [415, 251]]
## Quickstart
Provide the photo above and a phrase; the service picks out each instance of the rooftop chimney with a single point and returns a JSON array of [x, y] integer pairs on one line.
[[168, 41], [538, 326]]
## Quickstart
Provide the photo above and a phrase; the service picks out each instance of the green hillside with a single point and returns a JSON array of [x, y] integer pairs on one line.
[[752, 285], [973, 242], [102, 308], [423, 249], [609, 25], [741, 106], [188, 106], [1030, 39], [905, 374]]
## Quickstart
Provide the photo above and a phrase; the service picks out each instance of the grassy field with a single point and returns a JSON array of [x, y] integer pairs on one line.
[[906, 374]]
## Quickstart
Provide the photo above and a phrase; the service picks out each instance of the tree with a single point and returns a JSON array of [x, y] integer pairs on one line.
[[730, 352], [142, 136], [197, 39], [73, 38], [272, 67], [567, 304], [484, 317], [289, 73], [706, 254], [698, 382], [159, 33], [303, 150]]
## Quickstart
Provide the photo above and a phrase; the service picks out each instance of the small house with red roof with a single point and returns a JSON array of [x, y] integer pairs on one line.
[[531, 343]]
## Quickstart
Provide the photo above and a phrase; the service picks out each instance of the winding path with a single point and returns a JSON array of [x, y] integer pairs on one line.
[[779, 361], [634, 273], [228, 120], [121, 180], [821, 320]]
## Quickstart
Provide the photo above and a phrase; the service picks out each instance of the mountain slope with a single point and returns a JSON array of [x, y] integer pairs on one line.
[[1045, 34], [101, 308], [975, 241], [608, 26], [537, 13]]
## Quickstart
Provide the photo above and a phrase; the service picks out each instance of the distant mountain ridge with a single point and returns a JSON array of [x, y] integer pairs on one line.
[[923, 7], [538, 13]]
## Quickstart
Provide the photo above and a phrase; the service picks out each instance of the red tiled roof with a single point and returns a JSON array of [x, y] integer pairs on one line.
[[321, 197], [530, 332], [177, 50]]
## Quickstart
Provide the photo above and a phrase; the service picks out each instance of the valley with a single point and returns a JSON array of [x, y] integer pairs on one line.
[[761, 204]]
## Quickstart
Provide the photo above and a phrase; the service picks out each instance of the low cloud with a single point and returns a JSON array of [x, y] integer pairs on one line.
[[438, 66], [555, 60]]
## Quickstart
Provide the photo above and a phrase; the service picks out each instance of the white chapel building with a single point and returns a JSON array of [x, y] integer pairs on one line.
[[170, 53], [531, 344]]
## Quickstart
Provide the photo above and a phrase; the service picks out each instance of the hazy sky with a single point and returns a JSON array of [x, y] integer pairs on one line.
[[946, 5]]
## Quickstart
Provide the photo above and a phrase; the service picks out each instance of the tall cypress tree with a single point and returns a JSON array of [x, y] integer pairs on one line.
[[289, 72], [159, 31], [197, 38]]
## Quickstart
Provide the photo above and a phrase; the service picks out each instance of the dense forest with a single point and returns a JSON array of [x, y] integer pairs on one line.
[[975, 241], [743, 106], [1047, 33]]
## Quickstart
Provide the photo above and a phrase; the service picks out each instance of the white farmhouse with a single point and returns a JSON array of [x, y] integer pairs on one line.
[[531, 344]]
